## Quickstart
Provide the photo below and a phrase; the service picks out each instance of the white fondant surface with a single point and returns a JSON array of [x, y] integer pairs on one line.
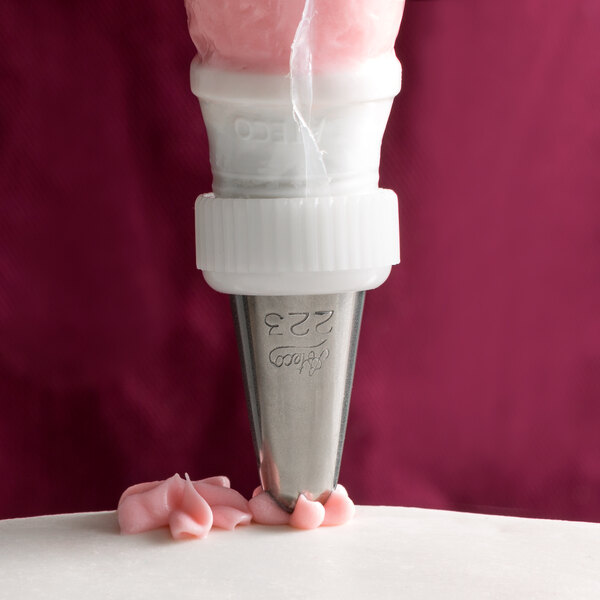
[[385, 552]]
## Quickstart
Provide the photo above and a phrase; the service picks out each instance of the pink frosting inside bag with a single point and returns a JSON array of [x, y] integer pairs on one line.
[[258, 34]]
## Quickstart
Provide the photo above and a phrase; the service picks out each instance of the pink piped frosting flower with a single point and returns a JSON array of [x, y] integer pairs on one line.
[[189, 508], [338, 509]]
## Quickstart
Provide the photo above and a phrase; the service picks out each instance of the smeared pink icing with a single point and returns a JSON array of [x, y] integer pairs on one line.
[[338, 509], [189, 508], [258, 34]]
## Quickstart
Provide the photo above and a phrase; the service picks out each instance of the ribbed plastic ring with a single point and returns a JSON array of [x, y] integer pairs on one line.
[[278, 235]]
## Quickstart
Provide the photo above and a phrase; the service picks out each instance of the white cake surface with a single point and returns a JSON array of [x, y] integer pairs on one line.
[[385, 552]]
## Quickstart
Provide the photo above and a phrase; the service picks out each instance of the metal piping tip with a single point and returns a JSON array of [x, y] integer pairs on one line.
[[298, 355]]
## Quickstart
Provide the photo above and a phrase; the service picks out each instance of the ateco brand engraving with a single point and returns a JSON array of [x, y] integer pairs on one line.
[[255, 130], [299, 351]]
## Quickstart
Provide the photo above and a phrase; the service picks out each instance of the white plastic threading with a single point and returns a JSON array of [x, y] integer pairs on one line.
[[267, 241]]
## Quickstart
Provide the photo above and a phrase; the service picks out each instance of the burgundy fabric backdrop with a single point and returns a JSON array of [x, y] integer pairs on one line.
[[478, 382]]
